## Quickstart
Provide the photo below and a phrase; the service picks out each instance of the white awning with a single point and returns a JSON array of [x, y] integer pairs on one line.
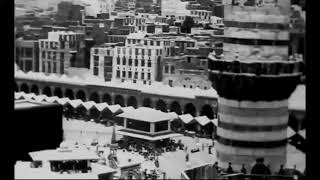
[[290, 132], [29, 95], [129, 108], [88, 105], [101, 106], [18, 95], [75, 103], [40, 98], [215, 122], [174, 115], [203, 120], [186, 118], [302, 133], [52, 99], [115, 108], [63, 101]]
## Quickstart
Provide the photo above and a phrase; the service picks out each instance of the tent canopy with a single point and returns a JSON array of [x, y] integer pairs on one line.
[[101, 106], [290, 132], [146, 114], [203, 120], [186, 118]]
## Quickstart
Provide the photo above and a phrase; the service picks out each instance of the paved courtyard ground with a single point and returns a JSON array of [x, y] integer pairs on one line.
[[172, 163]]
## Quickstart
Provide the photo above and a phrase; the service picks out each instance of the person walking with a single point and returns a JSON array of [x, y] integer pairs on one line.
[[243, 169]]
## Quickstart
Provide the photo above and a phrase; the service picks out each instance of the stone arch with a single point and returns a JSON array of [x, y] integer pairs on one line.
[[147, 102], [132, 101], [25, 88], [35, 89], [58, 92], [175, 107], [47, 91], [161, 105], [16, 87], [207, 110], [190, 109], [81, 95], [107, 98], [94, 97], [119, 100], [69, 94]]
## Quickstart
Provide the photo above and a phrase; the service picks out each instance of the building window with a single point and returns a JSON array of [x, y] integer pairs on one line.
[[28, 66], [144, 82], [47, 44], [129, 41], [133, 41], [166, 69], [142, 75], [96, 58], [62, 45], [135, 75], [151, 43], [118, 73], [41, 44], [191, 86], [134, 81], [49, 67], [170, 83], [172, 69], [118, 60], [130, 61], [130, 74], [136, 63], [205, 87], [28, 52], [54, 67], [142, 52], [189, 59], [124, 61], [123, 74], [158, 43], [184, 86], [49, 55], [43, 54], [149, 52], [145, 43], [149, 63], [54, 55], [149, 76], [142, 62], [107, 61], [96, 51]]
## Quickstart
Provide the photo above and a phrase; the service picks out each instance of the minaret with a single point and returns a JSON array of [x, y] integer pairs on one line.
[[254, 79]]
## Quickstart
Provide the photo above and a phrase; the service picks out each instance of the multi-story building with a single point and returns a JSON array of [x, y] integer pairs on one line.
[[189, 71], [94, 7], [69, 11], [175, 8], [101, 61], [60, 51], [27, 55], [201, 16]]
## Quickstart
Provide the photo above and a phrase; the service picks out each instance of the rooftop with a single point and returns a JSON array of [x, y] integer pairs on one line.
[[58, 155], [157, 88], [146, 114]]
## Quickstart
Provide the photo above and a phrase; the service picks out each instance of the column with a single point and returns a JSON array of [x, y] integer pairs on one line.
[[125, 122]]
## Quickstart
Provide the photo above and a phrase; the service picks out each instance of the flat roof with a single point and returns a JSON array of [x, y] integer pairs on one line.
[[57, 155], [146, 114], [149, 138]]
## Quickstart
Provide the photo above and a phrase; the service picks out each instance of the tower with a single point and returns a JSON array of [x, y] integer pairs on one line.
[[254, 79]]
